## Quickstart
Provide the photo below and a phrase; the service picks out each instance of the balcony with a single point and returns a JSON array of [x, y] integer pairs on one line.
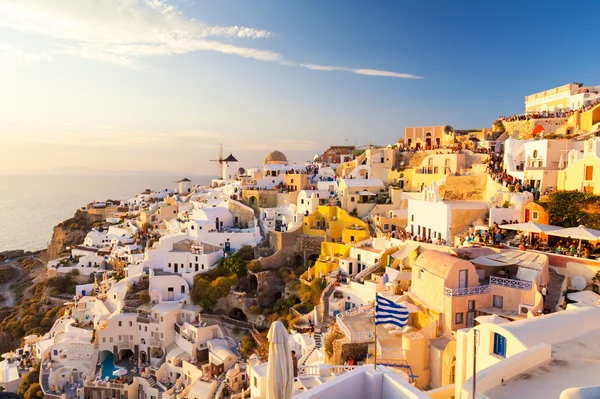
[[510, 283], [478, 290]]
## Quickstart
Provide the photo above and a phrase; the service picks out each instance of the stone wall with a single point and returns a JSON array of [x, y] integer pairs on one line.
[[291, 245], [471, 188], [343, 352], [244, 214], [524, 129]]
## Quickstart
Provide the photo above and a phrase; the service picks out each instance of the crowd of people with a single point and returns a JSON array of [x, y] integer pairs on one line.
[[549, 115]]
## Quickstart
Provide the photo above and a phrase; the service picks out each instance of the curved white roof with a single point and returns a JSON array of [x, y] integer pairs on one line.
[[551, 328]]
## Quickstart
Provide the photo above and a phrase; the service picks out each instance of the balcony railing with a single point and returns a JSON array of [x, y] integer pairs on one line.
[[480, 289], [508, 282], [316, 370]]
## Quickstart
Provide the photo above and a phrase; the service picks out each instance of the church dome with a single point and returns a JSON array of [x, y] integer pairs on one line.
[[275, 157]]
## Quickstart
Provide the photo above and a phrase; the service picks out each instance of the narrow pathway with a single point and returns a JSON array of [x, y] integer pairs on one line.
[[554, 292], [7, 293]]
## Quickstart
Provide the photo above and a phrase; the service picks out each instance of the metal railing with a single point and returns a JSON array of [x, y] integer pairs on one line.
[[508, 282], [480, 289]]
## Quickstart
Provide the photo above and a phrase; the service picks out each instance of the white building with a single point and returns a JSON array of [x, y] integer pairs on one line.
[[432, 217]]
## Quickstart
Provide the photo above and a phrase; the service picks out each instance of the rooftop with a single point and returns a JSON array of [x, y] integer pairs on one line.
[[575, 363]]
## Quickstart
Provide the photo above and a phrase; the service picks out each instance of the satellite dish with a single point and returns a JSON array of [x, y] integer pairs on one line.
[[241, 171], [578, 282]]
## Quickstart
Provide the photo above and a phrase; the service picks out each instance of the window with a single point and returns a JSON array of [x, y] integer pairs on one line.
[[498, 301], [169, 265], [183, 289], [110, 340], [351, 199], [255, 382], [103, 339], [412, 218], [120, 338], [589, 172], [458, 318], [534, 215], [131, 324], [140, 328], [471, 305], [422, 274], [119, 324], [447, 162], [535, 153], [499, 345]]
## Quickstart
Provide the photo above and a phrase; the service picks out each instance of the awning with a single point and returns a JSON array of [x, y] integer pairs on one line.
[[366, 193], [527, 274], [484, 261], [406, 250]]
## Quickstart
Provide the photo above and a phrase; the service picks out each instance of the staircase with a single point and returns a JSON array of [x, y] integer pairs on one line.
[[325, 318], [94, 361], [45, 383], [318, 336], [367, 272], [318, 340]]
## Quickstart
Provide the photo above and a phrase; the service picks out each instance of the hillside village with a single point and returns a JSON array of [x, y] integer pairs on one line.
[[489, 238]]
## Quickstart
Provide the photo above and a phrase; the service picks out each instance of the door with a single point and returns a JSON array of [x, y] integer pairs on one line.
[[176, 267], [350, 268], [462, 278], [348, 306], [83, 292], [526, 215], [470, 319], [171, 294]]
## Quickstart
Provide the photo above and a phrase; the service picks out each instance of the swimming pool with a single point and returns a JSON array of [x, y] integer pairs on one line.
[[108, 366]]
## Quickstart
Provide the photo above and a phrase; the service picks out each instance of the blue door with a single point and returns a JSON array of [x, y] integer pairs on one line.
[[348, 306], [82, 292]]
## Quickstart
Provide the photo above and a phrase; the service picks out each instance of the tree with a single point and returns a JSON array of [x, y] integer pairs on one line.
[[574, 208], [448, 129], [206, 293]]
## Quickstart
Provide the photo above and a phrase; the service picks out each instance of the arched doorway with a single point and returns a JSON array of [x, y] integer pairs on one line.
[[238, 314], [143, 357], [428, 139], [252, 201], [449, 364]]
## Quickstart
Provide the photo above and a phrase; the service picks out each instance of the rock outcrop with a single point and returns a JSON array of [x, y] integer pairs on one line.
[[69, 233]]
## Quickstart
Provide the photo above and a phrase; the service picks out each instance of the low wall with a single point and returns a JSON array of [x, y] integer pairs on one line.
[[445, 392], [493, 376], [571, 266]]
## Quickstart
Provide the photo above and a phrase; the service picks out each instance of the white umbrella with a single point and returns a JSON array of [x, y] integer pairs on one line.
[[280, 371], [579, 233], [531, 227], [120, 372]]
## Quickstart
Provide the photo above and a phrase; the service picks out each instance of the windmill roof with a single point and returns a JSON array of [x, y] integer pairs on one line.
[[230, 158]]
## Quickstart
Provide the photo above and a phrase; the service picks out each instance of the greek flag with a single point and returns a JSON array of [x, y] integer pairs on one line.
[[388, 312]]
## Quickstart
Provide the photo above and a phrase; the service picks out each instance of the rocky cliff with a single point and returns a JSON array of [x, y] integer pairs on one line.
[[69, 233]]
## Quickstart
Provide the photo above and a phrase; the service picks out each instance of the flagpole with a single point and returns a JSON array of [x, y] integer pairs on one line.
[[375, 325]]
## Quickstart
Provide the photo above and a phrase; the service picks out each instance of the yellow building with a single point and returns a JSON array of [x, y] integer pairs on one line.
[[339, 230], [581, 122], [427, 136], [582, 172], [563, 98], [336, 225]]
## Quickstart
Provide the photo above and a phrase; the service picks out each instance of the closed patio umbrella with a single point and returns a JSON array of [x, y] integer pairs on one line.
[[280, 371]]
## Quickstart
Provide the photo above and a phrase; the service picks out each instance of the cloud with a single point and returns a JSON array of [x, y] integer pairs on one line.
[[368, 72], [12, 58], [125, 32]]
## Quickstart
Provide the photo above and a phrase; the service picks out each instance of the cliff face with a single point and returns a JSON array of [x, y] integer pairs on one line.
[[69, 233]]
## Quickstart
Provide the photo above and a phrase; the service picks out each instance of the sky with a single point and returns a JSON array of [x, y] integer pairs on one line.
[[138, 85]]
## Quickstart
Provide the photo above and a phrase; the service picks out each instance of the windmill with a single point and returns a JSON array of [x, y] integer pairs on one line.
[[223, 162]]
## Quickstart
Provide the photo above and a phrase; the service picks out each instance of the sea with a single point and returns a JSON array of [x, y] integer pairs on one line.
[[30, 206]]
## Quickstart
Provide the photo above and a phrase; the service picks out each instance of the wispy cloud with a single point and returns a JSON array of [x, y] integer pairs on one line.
[[124, 32], [12, 58]]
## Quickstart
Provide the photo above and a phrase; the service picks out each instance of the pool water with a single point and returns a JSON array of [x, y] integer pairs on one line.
[[108, 366]]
